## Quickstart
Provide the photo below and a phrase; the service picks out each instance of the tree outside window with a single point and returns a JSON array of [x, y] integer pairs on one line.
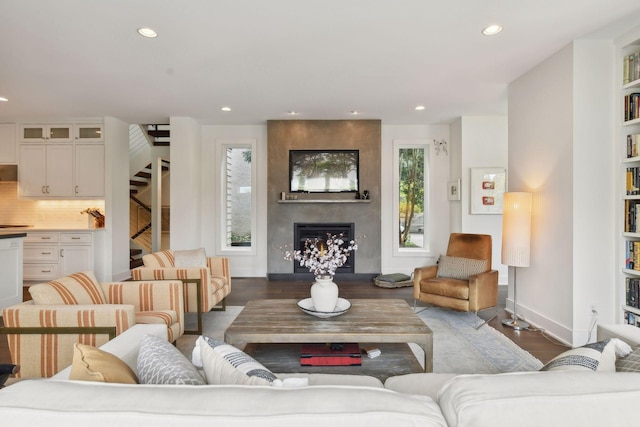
[[411, 203]]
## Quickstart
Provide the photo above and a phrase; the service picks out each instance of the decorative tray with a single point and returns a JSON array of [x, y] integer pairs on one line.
[[342, 306]]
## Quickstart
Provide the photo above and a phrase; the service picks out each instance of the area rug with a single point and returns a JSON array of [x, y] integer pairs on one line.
[[457, 346]]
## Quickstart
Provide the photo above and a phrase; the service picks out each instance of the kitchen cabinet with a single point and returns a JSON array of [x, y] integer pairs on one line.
[[11, 267], [8, 144], [50, 255], [46, 170], [89, 132], [89, 170], [46, 133]]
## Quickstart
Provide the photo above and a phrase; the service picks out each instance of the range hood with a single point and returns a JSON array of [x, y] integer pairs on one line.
[[8, 173]]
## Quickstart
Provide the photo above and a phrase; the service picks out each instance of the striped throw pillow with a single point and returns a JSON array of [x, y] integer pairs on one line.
[[460, 268], [77, 288]]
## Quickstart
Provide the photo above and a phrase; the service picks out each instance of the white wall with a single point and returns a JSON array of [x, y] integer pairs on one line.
[[438, 202], [560, 131], [186, 166], [483, 144], [114, 242]]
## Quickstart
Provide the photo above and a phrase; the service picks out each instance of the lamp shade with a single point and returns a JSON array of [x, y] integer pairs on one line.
[[516, 229]]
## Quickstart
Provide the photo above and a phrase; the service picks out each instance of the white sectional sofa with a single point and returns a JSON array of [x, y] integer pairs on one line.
[[524, 399]]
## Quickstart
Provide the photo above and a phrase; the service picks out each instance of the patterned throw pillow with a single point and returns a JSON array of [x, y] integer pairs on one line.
[[159, 362], [77, 288], [460, 268], [225, 364], [630, 363], [190, 258], [599, 356]]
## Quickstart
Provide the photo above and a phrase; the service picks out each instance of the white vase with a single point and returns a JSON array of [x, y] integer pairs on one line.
[[324, 294]]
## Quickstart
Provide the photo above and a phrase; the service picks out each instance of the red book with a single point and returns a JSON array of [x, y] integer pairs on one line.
[[330, 355]]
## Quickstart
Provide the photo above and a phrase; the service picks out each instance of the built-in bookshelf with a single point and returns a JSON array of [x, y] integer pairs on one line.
[[629, 140]]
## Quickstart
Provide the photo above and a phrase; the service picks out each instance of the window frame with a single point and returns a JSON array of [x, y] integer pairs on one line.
[[223, 249], [399, 144]]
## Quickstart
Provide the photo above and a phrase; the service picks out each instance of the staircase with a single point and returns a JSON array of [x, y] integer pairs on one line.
[[139, 209]]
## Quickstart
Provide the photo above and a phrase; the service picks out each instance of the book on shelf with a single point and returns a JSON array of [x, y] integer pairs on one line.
[[633, 181], [330, 355], [632, 145], [631, 106], [631, 68]]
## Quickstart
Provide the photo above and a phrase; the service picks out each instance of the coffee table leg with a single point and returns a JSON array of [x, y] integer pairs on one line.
[[427, 347]]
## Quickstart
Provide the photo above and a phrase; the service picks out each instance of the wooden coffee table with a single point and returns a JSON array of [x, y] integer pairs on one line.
[[367, 321]]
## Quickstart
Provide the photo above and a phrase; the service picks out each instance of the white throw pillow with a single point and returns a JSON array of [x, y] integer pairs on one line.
[[190, 258], [599, 356], [224, 364]]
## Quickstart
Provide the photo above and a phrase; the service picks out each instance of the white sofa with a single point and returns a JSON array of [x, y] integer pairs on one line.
[[523, 399]]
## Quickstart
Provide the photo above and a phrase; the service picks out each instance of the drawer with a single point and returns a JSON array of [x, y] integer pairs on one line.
[[43, 237], [79, 238], [40, 253], [40, 271]]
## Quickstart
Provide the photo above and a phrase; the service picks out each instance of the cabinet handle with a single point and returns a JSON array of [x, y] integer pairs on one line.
[[45, 271], [76, 189], [47, 189], [43, 192], [46, 238], [45, 253], [61, 253], [75, 238]]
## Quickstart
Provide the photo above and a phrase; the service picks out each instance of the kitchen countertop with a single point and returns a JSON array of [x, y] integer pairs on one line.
[[32, 229], [11, 235]]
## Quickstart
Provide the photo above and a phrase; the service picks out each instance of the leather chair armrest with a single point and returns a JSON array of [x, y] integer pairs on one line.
[[483, 290], [421, 273]]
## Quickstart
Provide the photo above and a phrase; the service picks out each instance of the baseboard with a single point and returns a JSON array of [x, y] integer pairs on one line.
[[537, 320], [346, 277]]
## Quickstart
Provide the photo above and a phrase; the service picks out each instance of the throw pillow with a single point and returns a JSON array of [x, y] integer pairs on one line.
[[599, 356], [190, 258], [225, 364], [159, 362], [460, 268], [92, 364], [630, 363], [77, 288]]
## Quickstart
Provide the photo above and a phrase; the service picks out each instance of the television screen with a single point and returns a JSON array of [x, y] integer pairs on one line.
[[323, 171]]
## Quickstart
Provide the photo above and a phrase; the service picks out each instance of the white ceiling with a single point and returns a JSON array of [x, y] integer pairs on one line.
[[83, 58]]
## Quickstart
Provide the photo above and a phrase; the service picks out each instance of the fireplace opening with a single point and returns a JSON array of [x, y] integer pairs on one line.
[[305, 231]]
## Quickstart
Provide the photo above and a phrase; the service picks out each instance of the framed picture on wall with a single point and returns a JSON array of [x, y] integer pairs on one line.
[[487, 190], [453, 190]]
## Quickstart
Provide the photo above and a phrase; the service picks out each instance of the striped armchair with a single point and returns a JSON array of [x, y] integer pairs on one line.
[[77, 308], [210, 273]]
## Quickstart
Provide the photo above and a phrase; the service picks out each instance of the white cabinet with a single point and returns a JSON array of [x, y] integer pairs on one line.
[[46, 133], [89, 170], [11, 268], [89, 132], [50, 255], [8, 144], [61, 161], [46, 170]]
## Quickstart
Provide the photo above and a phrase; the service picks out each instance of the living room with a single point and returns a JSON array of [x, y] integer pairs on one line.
[[541, 135]]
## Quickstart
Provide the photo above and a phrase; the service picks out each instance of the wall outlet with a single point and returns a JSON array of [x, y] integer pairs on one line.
[[594, 309]]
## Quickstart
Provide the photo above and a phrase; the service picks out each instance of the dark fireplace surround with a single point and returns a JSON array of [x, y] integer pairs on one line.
[[319, 231]]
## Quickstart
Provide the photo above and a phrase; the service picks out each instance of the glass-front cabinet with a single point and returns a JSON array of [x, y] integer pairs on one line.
[[46, 133], [89, 132]]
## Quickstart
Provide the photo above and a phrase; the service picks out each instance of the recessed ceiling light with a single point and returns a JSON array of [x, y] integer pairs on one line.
[[226, 108], [419, 107], [292, 113], [492, 30], [3, 99], [147, 32], [354, 112]]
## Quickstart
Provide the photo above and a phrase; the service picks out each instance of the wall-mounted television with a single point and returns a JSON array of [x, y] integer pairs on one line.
[[323, 171]]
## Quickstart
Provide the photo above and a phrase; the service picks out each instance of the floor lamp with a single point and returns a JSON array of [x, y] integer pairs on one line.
[[516, 242]]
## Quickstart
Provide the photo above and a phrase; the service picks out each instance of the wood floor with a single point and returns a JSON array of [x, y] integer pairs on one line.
[[260, 288]]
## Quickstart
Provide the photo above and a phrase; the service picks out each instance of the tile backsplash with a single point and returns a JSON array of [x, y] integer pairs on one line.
[[43, 213]]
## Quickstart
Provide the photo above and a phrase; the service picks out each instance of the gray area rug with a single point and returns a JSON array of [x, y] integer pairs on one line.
[[457, 346]]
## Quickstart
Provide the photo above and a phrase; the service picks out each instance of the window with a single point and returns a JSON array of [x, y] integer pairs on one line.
[[237, 195], [410, 206]]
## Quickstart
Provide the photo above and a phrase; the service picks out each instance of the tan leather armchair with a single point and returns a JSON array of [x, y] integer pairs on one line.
[[468, 284]]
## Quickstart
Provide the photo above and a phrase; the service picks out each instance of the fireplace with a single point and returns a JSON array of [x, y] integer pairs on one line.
[[305, 231]]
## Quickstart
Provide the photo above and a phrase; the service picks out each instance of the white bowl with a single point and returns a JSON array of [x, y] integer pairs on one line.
[[342, 306]]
